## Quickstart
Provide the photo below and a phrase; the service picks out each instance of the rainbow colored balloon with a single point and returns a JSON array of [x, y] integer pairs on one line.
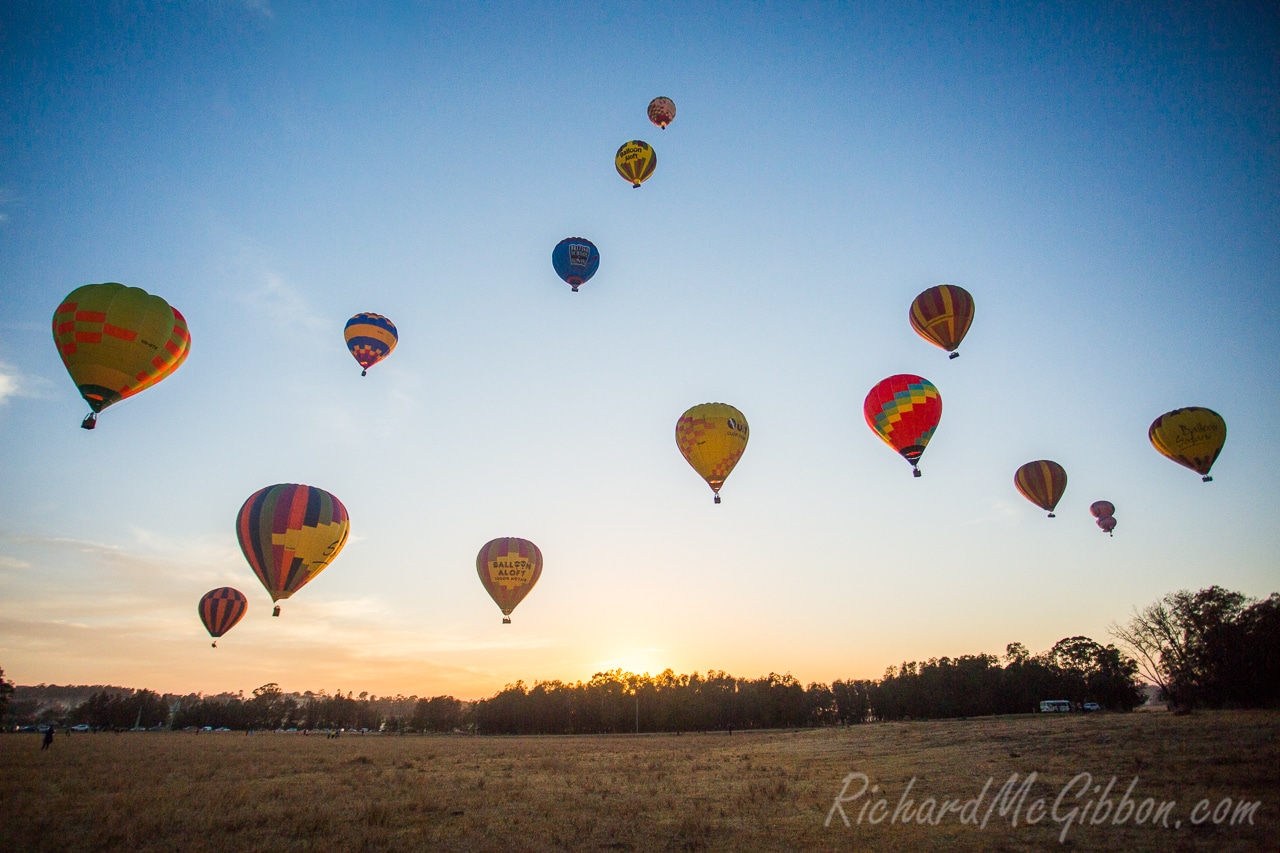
[[289, 533], [904, 411]]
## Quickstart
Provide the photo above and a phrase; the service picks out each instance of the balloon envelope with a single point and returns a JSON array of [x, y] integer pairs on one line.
[[508, 567], [289, 533], [1042, 482], [1192, 437], [220, 609], [662, 111], [371, 338], [1107, 523], [942, 315], [116, 341], [712, 437], [904, 411], [635, 161], [575, 260], [1101, 509]]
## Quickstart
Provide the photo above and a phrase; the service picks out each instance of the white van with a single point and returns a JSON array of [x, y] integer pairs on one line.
[[1051, 706]]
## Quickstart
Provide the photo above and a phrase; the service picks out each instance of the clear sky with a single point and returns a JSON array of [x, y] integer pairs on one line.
[[1104, 178]]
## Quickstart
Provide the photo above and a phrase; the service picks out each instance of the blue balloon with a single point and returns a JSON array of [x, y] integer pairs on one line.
[[575, 260]]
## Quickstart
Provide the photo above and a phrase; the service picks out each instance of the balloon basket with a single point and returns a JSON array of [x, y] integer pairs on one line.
[[276, 612], [1205, 479], [954, 355], [1051, 515], [506, 620], [717, 499], [915, 472], [213, 645], [364, 372], [90, 421]]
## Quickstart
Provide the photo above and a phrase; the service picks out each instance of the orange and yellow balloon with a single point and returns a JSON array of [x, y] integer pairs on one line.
[[1042, 482], [508, 568], [116, 341], [635, 161], [1192, 437], [289, 533], [942, 316], [712, 437]]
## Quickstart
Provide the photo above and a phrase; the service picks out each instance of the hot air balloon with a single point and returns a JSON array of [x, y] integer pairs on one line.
[[1192, 437], [711, 437], [289, 533], [1104, 512], [904, 410], [1042, 482], [220, 609], [116, 341], [635, 161], [942, 315], [508, 568], [575, 260], [371, 338], [662, 111], [1101, 509]]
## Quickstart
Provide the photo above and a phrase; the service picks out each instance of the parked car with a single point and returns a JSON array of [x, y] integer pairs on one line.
[[83, 727], [1091, 706]]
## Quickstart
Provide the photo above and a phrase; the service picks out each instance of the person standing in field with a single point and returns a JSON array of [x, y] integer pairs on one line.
[[48, 738]]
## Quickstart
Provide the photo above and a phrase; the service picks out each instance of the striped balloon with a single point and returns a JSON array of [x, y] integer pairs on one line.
[[371, 338], [289, 533], [904, 411], [1042, 482], [508, 568], [116, 341], [635, 161], [220, 609], [942, 316]]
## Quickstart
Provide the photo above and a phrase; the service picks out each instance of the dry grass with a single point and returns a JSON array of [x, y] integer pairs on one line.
[[752, 791]]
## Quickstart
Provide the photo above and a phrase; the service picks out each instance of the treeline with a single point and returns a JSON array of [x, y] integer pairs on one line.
[[1214, 648], [1076, 669]]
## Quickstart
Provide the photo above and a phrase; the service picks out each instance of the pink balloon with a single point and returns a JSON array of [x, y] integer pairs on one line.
[[1101, 509], [1107, 523]]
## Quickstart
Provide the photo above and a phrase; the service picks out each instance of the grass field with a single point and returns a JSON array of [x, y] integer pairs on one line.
[[746, 792]]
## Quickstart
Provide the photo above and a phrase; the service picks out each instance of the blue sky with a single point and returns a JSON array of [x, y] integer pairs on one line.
[[1102, 179]]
